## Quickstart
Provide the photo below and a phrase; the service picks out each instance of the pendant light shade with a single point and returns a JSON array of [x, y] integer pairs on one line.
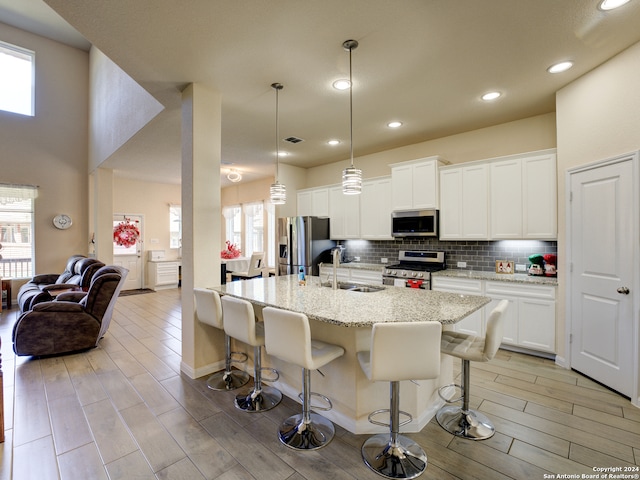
[[277, 191], [351, 176]]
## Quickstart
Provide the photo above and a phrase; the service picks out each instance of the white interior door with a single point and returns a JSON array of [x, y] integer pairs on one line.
[[130, 257], [603, 229]]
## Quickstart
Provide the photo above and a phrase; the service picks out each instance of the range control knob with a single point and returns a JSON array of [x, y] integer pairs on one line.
[[404, 274], [413, 274], [420, 275]]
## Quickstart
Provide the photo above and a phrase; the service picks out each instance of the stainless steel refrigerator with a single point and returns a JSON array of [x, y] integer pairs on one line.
[[303, 242]]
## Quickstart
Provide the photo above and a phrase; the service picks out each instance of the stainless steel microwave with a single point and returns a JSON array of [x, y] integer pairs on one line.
[[414, 223]]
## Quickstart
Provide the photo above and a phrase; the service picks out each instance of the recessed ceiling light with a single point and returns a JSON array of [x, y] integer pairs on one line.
[[394, 124], [341, 84], [491, 96], [333, 142], [560, 67], [283, 154], [611, 4]]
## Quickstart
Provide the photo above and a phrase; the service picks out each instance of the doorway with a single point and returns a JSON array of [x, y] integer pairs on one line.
[[603, 248], [128, 254]]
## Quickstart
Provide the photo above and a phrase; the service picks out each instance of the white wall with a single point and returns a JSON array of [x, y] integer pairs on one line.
[[598, 117], [119, 107], [527, 135], [152, 201], [50, 149]]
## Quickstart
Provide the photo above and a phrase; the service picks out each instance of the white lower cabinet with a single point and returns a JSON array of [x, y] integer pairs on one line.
[[474, 323], [370, 277], [326, 274], [163, 275], [346, 274], [530, 319]]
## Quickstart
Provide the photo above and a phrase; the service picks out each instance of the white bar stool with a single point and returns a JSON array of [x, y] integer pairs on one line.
[[399, 351], [209, 312], [240, 323], [288, 337], [460, 420]]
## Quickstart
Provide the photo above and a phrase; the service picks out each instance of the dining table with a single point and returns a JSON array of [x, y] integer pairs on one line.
[[238, 264]]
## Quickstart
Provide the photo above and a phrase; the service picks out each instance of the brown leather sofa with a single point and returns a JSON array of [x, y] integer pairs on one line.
[[72, 322], [41, 288]]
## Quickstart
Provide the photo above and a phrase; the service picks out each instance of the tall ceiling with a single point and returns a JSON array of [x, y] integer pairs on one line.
[[422, 62]]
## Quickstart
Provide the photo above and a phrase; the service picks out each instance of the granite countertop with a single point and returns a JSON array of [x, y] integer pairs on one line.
[[376, 267], [497, 277], [354, 309]]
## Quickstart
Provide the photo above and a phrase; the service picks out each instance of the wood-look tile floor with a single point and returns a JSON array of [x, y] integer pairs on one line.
[[123, 411]]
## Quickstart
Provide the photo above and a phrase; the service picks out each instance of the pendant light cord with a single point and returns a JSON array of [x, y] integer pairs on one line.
[[351, 104], [277, 87], [350, 45]]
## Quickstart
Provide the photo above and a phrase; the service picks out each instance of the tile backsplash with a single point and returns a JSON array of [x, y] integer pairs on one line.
[[479, 255]]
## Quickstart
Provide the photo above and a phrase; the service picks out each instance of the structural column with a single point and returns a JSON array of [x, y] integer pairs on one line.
[[202, 346], [102, 214]]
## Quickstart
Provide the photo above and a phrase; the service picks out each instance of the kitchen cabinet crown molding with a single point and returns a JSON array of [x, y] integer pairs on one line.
[[488, 160]]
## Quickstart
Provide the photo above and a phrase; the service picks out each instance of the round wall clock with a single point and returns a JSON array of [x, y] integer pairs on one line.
[[62, 221]]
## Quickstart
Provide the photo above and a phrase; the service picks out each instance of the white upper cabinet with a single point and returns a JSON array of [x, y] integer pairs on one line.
[[506, 199], [375, 209], [414, 184], [344, 214], [540, 197], [523, 196], [313, 202], [464, 202]]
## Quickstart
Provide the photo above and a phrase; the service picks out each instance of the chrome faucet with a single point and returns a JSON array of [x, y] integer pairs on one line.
[[336, 262]]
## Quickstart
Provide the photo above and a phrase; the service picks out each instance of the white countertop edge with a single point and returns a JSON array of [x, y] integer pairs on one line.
[[498, 277]]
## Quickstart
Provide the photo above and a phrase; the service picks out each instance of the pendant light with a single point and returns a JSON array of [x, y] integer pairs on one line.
[[351, 176], [278, 192]]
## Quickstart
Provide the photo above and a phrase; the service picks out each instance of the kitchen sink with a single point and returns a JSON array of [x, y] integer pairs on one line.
[[366, 288], [355, 287]]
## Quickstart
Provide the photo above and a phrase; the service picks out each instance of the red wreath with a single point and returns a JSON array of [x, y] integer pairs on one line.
[[126, 234], [232, 251]]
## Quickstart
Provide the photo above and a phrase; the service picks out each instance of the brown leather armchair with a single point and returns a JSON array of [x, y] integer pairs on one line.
[[41, 288], [73, 321]]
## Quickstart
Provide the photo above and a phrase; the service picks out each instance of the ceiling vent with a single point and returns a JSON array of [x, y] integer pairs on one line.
[[293, 140]]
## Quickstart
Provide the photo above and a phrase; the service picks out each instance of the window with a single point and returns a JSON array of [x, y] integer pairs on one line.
[[175, 226], [233, 224], [16, 230], [254, 220], [17, 79]]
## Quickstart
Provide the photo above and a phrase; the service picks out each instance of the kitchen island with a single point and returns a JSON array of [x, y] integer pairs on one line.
[[345, 317]]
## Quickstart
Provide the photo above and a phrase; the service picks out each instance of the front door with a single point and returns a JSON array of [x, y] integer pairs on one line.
[[127, 251], [602, 225]]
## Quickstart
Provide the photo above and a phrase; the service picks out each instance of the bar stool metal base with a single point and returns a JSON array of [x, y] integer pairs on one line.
[[405, 459], [228, 380], [258, 401], [297, 434], [468, 424]]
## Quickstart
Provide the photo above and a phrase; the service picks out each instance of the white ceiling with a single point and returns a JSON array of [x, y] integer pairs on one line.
[[423, 62]]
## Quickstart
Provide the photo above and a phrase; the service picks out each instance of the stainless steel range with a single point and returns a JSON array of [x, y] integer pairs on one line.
[[414, 269]]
